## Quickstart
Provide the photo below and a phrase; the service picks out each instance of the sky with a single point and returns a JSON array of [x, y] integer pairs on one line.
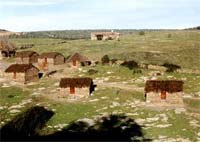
[[41, 15]]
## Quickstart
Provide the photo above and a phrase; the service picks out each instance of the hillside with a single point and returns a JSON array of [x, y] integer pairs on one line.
[[118, 90], [6, 33]]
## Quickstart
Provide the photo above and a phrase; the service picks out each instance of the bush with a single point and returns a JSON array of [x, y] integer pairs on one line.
[[92, 71], [141, 33], [137, 71], [169, 35], [171, 67], [105, 59], [130, 64], [113, 61]]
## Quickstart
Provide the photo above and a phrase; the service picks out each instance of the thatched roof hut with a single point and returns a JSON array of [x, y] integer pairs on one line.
[[76, 87], [78, 60], [7, 48], [49, 55], [78, 57], [75, 82], [53, 58], [27, 57], [24, 54], [19, 68], [164, 85], [23, 73]]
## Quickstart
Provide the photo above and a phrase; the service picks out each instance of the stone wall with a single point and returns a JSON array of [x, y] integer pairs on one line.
[[171, 98], [84, 91], [59, 60], [20, 77], [31, 75], [22, 60]]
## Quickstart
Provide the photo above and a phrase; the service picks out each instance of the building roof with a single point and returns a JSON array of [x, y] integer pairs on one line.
[[164, 85], [105, 33], [6, 45], [78, 57], [49, 55], [19, 68], [75, 82], [23, 54]]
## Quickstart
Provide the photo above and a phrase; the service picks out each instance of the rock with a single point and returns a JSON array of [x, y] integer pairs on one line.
[[90, 122], [94, 100], [140, 121], [56, 84], [163, 125], [115, 104], [179, 110], [35, 94], [2, 107], [15, 107], [26, 101], [132, 114], [50, 126], [109, 72], [15, 111], [106, 79], [152, 119], [54, 109], [42, 88], [103, 97]]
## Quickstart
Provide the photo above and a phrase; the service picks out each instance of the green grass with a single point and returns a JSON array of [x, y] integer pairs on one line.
[[10, 95], [182, 48], [155, 47]]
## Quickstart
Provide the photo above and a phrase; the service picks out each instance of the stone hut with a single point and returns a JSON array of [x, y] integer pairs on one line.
[[77, 60], [50, 59], [27, 57], [7, 48], [105, 36], [76, 87], [164, 91], [23, 73]]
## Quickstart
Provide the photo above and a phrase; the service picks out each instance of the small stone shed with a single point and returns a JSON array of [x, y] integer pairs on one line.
[[160, 91], [105, 36], [23, 73], [27, 57], [50, 58], [7, 48], [77, 60], [76, 86]]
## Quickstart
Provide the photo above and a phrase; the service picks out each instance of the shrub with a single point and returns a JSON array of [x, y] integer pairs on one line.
[[137, 71], [169, 35], [92, 71], [141, 33], [171, 67], [105, 59], [130, 64], [113, 61]]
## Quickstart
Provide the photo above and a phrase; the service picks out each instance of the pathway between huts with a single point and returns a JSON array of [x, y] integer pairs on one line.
[[120, 85]]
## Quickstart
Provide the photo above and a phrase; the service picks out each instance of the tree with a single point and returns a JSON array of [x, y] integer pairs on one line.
[[105, 59]]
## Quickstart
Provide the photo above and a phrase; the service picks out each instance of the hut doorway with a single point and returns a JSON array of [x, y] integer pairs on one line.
[[72, 90], [14, 75], [99, 37], [45, 60], [163, 95], [74, 62]]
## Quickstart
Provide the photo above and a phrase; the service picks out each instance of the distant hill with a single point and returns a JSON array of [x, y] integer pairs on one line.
[[6, 33], [194, 28]]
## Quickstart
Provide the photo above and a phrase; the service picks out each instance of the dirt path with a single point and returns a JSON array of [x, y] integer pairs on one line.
[[119, 85]]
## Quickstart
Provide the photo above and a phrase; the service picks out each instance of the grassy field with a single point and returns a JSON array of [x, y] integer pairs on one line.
[[182, 48]]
